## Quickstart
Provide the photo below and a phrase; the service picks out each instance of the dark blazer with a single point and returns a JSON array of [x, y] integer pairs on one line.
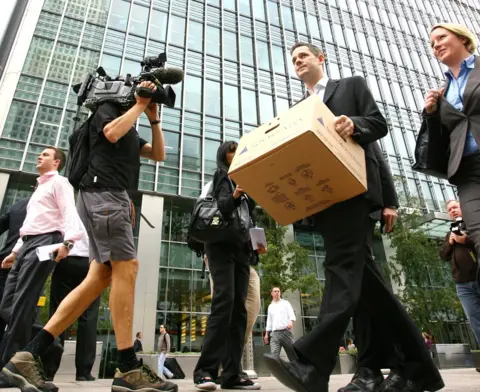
[[137, 345], [389, 193], [12, 220], [351, 97], [454, 123]]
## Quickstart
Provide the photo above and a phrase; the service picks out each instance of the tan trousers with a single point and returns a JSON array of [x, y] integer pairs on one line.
[[252, 303]]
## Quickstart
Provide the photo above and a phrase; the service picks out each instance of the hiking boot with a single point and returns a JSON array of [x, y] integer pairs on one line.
[[141, 379], [24, 371]]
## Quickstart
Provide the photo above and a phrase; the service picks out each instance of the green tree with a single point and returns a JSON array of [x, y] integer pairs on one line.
[[427, 288], [285, 264]]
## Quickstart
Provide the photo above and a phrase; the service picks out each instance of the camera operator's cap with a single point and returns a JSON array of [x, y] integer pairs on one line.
[[460, 31]]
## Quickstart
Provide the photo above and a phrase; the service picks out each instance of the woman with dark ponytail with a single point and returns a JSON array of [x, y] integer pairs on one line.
[[229, 265]]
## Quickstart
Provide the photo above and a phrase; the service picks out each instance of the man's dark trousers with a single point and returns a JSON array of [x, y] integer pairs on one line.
[[69, 273], [24, 285], [373, 337], [351, 279]]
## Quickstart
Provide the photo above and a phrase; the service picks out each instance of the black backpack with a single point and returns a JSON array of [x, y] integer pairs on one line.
[[79, 153]]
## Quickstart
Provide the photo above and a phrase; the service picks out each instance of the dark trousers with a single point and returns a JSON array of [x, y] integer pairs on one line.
[[229, 266], [69, 273], [351, 281], [467, 180], [373, 336], [3, 281], [24, 285]]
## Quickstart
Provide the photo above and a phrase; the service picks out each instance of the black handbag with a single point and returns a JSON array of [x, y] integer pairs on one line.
[[432, 149], [208, 225]]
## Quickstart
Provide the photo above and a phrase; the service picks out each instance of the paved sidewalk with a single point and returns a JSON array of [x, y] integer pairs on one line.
[[457, 380]]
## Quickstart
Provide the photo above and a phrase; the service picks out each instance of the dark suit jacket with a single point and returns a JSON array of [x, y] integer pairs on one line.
[[12, 220], [389, 193], [454, 123], [351, 97]]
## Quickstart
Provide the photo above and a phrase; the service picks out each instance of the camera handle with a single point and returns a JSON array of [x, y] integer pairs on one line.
[[144, 92]]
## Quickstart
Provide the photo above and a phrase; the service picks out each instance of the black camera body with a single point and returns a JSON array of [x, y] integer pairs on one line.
[[458, 227], [98, 87]]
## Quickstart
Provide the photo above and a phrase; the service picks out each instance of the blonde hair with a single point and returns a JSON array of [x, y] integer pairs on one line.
[[461, 32]]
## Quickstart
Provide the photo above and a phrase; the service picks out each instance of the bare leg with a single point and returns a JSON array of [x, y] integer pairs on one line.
[[122, 297], [75, 303]]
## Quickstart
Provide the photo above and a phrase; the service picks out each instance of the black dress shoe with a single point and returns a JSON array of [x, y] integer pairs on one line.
[[395, 382], [296, 375], [364, 380], [87, 377]]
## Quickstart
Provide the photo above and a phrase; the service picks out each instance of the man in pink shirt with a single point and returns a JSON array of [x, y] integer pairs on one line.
[[51, 219]]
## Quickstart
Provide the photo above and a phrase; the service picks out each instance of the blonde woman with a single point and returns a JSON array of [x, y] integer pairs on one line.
[[454, 110]]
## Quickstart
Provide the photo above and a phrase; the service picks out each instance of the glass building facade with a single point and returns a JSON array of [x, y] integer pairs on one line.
[[238, 74]]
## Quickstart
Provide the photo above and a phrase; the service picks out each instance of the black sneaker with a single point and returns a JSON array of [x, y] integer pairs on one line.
[[243, 383], [205, 384], [24, 371], [141, 379]]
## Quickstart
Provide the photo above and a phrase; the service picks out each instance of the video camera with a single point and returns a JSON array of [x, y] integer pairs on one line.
[[458, 227], [98, 87]]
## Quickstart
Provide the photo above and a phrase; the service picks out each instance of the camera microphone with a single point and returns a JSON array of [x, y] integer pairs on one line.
[[168, 75]]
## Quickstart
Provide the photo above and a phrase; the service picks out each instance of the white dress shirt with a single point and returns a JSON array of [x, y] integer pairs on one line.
[[52, 208], [319, 88], [280, 313]]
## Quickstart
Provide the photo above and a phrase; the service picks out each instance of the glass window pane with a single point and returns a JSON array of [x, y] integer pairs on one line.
[[351, 39], [139, 20], [213, 40], [177, 30], [230, 46], [326, 30], [212, 98], [266, 108], [273, 13], [278, 59], [172, 147], [158, 25], [259, 10], [313, 25], [230, 102], [230, 5], [287, 17], [195, 35], [247, 50], [191, 153], [300, 19], [263, 55], [249, 109], [119, 15], [193, 93], [111, 65], [339, 34], [245, 7], [211, 148]]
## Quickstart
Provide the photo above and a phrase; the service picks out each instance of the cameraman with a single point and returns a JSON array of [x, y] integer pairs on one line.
[[106, 211], [460, 250]]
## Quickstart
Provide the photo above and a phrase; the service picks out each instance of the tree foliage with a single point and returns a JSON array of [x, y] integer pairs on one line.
[[285, 264], [426, 286]]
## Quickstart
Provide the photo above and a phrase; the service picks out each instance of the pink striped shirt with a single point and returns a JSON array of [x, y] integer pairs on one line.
[[52, 208]]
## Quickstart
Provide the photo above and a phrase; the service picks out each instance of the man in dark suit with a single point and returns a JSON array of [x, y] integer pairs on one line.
[[351, 279], [376, 348], [11, 220]]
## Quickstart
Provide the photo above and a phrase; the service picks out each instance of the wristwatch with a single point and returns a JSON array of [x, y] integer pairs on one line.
[[68, 245]]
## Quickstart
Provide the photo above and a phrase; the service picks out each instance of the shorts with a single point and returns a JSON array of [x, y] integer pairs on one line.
[[107, 217]]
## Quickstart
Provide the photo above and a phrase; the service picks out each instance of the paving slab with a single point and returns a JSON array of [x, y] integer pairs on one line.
[[456, 380]]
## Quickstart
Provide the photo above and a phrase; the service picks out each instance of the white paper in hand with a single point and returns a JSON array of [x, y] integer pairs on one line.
[[257, 236], [43, 252]]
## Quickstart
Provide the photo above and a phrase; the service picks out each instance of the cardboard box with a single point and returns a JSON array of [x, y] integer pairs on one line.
[[296, 165]]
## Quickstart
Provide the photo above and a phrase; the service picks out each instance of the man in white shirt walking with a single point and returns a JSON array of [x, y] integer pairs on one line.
[[280, 323], [51, 219]]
